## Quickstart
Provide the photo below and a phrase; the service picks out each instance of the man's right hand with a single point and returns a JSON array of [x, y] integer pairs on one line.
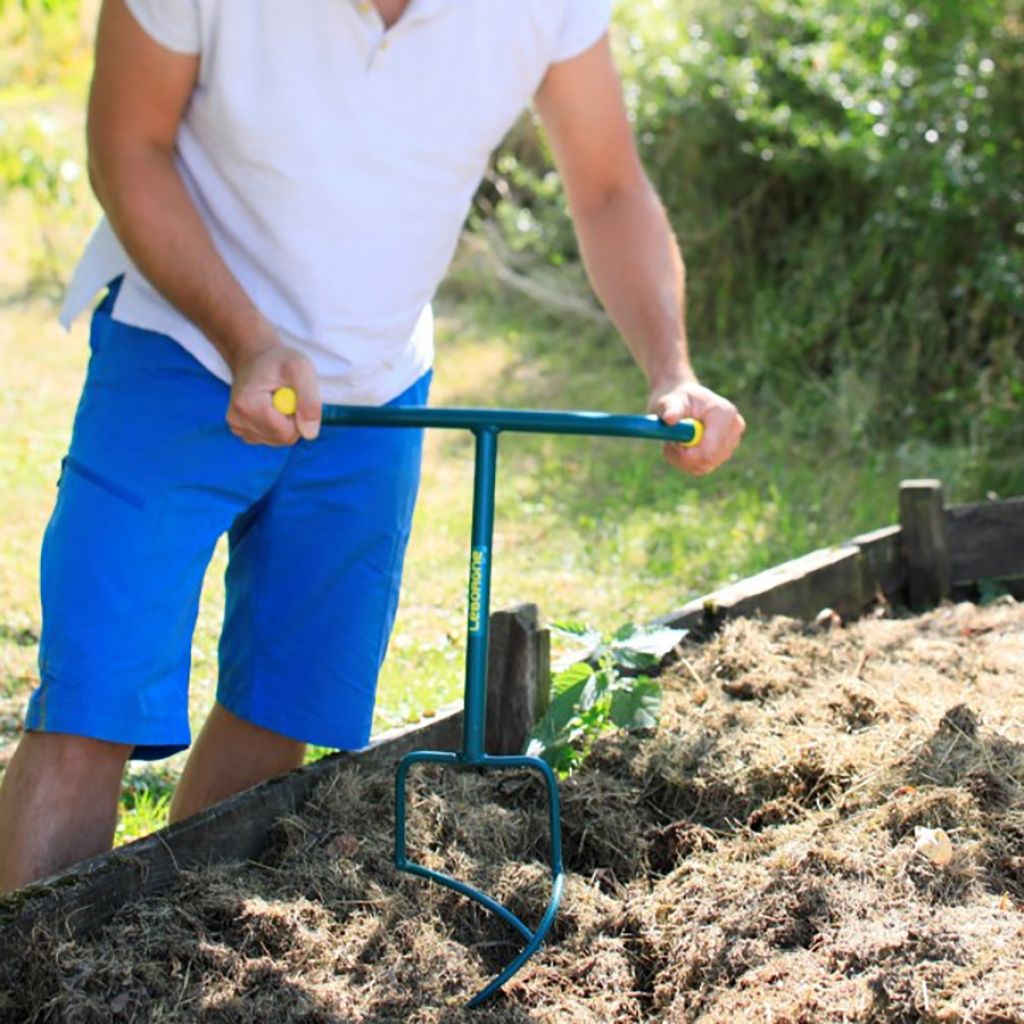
[[257, 375]]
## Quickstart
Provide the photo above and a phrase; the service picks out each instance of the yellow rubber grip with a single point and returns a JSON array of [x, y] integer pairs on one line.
[[285, 401], [698, 434]]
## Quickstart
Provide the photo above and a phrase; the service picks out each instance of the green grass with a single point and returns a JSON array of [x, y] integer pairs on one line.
[[145, 801]]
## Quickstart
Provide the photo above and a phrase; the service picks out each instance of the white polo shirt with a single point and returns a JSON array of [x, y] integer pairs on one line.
[[334, 161]]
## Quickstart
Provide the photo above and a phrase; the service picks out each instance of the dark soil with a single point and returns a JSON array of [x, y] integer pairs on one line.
[[752, 860]]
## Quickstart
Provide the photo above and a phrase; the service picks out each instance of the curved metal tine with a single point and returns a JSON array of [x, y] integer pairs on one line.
[[534, 937], [528, 950], [557, 871], [474, 894]]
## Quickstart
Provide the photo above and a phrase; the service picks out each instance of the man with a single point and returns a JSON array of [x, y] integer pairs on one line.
[[284, 186]]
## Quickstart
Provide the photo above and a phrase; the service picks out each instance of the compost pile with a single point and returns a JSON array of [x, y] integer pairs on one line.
[[752, 860]]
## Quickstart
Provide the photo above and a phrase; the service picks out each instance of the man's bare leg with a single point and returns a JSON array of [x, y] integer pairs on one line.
[[229, 756], [58, 804]]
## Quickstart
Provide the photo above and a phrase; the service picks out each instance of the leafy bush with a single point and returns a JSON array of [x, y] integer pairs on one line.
[[848, 184], [45, 42], [33, 157]]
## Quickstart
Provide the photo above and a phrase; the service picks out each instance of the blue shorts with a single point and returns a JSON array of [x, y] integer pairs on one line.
[[153, 477]]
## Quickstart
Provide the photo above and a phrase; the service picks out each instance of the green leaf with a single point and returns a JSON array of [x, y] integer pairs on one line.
[[588, 642], [543, 735], [555, 745], [624, 633], [643, 646], [989, 591], [656, 640], [561, 756], [570, 677], [639, 707], [625, 657], [576, 630], [597, 689], [564, 707], [590, 694]]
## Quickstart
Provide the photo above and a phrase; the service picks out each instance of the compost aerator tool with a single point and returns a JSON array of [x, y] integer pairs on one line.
[[486, 425]]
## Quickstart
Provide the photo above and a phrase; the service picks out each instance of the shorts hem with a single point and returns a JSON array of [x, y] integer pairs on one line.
[[151, 742], [304, 729]]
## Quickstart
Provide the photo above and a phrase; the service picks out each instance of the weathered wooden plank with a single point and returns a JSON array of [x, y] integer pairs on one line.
[[883, 571], [803, 587], [543, 645], [442, 731], [830, 578], [986, 540], [694, 616], [517, 681], [237, 829], [925, 543]]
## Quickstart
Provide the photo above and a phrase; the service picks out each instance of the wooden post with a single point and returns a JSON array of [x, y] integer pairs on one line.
[[925, 543], [518, 678]]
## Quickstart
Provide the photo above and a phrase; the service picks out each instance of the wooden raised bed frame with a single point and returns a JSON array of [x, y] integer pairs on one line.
[[935, 553]]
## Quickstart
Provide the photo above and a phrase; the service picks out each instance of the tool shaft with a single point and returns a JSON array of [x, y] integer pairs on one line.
[[479, 601]]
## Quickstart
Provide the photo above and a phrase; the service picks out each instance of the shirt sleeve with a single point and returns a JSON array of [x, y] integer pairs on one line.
[[174, 24], [583, 24]]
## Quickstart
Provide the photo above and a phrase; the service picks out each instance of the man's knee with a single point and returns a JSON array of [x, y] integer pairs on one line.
[[71, 755]]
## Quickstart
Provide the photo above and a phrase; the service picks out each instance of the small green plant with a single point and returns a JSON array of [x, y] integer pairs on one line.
[[991, 591], [145, 801], [604, 687]]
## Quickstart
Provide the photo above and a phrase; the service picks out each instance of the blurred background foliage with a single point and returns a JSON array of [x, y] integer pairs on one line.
[[45, 63], [847, 181]]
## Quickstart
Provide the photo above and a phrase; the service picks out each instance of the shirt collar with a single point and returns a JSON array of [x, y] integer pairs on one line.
[[418, 10]]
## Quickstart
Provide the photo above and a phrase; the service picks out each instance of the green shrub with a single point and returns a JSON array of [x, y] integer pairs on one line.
[[848, 184], [46, 43], [43, 187]]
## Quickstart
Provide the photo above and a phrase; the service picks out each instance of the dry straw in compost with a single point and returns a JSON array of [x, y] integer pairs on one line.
[[752, 860]]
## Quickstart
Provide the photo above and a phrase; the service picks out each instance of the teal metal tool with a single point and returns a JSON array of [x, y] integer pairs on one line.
[[486, 425]]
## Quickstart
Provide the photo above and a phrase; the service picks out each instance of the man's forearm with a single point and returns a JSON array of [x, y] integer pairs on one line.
[[153, 215], [636, 269]]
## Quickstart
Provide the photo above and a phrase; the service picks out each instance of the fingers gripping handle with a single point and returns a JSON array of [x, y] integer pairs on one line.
[[687, 433]]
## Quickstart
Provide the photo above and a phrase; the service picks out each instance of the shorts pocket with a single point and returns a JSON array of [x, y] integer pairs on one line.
[[103, 482]]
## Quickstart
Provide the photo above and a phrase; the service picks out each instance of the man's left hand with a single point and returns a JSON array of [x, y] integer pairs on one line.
[[723, 425]]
